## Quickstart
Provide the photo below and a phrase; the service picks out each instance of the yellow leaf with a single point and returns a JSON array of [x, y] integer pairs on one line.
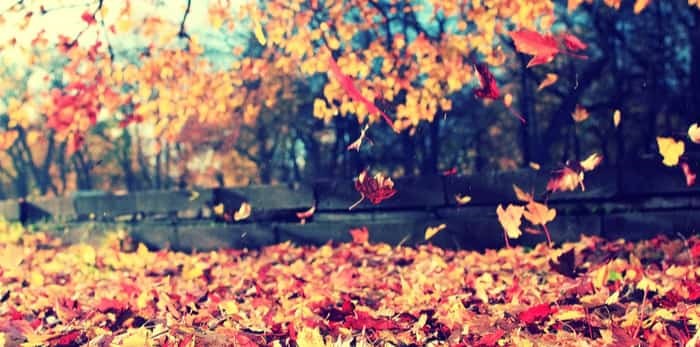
[[508, 100], [580, 114], [535, 166], [522, 195], [663, 314], [219, 209], [308, 337], [694, 133], [647, 284], [617, 117], [243, 212], [640, 5], [137, 338], [613, 298], [600, 277], [463, 199], [550, 79], [228, 307], [510, 219], [591, 162], [194, 195], [258, 31], [431, 231], [670, 149], [569, 314], [539, 214]]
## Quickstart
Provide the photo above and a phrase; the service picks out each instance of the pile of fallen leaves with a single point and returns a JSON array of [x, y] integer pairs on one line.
[[589, 293]]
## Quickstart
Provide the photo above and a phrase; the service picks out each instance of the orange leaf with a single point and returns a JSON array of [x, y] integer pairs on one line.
[[463, 199], [538, 213], [431, 231], [360, 235], [243, 212], [591, 162], [550, 79], [522, 195], [670, 149], [580, 114]]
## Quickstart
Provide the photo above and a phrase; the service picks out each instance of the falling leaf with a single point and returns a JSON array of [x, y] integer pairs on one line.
[[462, 199], [303, 216], [243, 212], [355, 145], [219, 209], [431, 231], [543, 48], [376, 189], [640, 5], [590, 163], [617, 117], [258, 31], [670, 149], [521, 194], [534, 166], [549, 79], [194, 195], [489, 86], [508, 99], [565, 179], [690, 176], [450, 172], [510, 219], [539, 214], [694, 133], [360, 235], [580, 114], [88, 18]]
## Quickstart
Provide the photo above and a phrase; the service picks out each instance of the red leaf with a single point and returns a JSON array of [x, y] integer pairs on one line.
[[377, 188], [71, 338], [107, 305], [572, 43], [489, 87], [491, 339], [695, 251], [349, 86], [543, 48], [450, 172], [690, 176], [536, 313], [88, 18], [360, 235]]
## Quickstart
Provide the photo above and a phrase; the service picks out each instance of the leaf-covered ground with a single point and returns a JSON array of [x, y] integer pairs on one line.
[[589, 293]]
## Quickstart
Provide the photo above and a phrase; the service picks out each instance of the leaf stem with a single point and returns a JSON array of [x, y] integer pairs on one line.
[[357, 203], [546, 232]]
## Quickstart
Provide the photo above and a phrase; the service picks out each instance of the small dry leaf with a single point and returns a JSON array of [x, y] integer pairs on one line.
[[258, 31], [550, 79], [670, 149], [194, 195], [431, 231], [219, 209], [535, 166], [694, 133], [510, 219], [580, 114], [538, 213], [640, 5], [591, 162], [508, 99], [463, 199], [306, 214], [521, 194], [617, 117], [243, 212]]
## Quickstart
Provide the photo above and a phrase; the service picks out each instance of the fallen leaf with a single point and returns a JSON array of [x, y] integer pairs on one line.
[[580, 114], [538, 213], [536, 313], [463, 199], [491, 339], [569, 314], [359, 235], [549, 79], [243, 212], [670, 149], [565, 264]]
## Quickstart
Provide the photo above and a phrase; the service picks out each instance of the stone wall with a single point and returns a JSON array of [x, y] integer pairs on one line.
[[633, 203]]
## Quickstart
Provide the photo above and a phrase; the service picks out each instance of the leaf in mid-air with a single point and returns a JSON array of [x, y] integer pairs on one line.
[[521, 194], [510, 219], [258, 32], [360, 235], [243, 212], [431, 231], [670, 149], [694, 133], [548, 80], [617, 117], [543, 48], [591, 162], [304, 215], [489, 87], [690, 176], [377, 188], [462, 199], [580, 114]]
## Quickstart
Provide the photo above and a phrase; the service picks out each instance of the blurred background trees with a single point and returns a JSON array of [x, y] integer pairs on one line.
[[133, 95]]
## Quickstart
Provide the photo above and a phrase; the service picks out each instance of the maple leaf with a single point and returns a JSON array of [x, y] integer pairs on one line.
[[571, 176], [510, 219], [450, 172], [376, 189], [694, 133], [536, 313], [521, 194], [431, 231], [489, 87], [360, 235], [543, 48], [549, 80], [538, 213], [670, 149]]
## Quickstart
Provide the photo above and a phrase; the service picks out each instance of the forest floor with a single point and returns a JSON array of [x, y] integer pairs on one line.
[[589, 293]]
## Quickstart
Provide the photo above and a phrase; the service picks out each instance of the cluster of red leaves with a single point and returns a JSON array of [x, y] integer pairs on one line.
[[592, 293]]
